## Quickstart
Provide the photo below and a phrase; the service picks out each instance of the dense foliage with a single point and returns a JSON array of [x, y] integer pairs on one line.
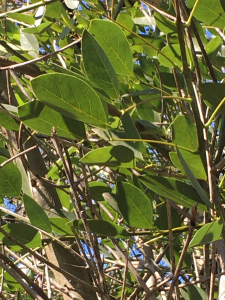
[[111, 149]]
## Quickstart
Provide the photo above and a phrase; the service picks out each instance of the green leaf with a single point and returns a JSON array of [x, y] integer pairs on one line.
[[53, 10], [134, 205], [98, 67], [184, 133], [207, 234], [112, 156], [213, 47], [39, 29], [10, 179], [42, 118], [25, 234], [174, 190], [125, 19], [164, 24], [111, 200], [194, 181], [97, 188], [21, 17], [194, 162], [102, 227], [36, 214], [196, 293], [29, 43], [173, 52], [8, 122], [106, 135], [60, 226], [209, 12], [114, 43], [131, 132], [212, 94], [72, 97]]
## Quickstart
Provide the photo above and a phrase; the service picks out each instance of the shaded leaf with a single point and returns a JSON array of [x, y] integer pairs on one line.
[[98, 67], [102, 227], [71, 97], [8, 122], [134, 205], [196, 293], [60, 226], [164, 24], [208, 233], [111, 200], [174, 190], [194, 181], [212, 94], [184, 133], [27, 235], [36, 214], [97, 188], [131, 132], [112, 156], [42, 118], [10, 179]]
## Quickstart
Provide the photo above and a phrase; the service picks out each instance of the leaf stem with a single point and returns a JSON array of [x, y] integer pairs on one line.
[[191, 14], [214, 113]]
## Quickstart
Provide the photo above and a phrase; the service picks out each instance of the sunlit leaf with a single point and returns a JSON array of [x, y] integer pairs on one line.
[[71, 97], [207, 234], [114, 43]]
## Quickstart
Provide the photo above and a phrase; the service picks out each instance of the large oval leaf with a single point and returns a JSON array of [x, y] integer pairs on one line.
[[114, 43], [102, 227], [185, 133], [209, 12], [36, 214], [174, 190], [134, 205], [112, 156], [72, 97], [98, 67], [207, 234], [213, 93], [25, 234], [8, 122], [42, 118], [10, 179]]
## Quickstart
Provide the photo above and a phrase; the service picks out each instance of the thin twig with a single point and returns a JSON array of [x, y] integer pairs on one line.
[[183, 253], [44, 57], [17, 155]]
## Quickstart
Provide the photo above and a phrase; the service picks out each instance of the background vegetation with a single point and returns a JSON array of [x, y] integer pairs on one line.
[[111, 149]]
